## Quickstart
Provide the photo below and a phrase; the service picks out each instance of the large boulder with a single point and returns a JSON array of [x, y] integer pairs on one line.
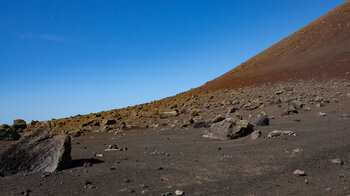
[[44, 150], [19, 124], [228, 130], [8, 133], [220, 131]]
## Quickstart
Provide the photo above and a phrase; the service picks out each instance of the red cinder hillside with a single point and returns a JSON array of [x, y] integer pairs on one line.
[[320, 50]]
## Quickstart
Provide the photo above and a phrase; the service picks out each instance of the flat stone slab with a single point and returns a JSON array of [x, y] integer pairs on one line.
[[44, 150]]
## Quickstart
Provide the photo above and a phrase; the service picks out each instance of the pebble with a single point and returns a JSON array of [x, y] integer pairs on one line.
[[299, 173], [297, 150], [98, 155], [337, 161], [26, 192], [179, 192], [322, 114], [256, 134], [45, 175], [87, 164], [126, 180]]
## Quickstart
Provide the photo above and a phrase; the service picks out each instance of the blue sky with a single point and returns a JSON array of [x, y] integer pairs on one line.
[[62, 58]]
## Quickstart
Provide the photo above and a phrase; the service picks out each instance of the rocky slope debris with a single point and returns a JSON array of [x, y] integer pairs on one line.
[[188, 110]]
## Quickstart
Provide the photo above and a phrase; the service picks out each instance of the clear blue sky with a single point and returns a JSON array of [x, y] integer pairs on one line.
[[61, 57]]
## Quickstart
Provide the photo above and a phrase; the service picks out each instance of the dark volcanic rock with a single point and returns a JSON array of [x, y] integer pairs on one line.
[[45, 150], [262, 120], [19, 124], [221, 131], [218, 118], [108, 122], [242, 128], [201, 124], [226, 130], [7, 133]]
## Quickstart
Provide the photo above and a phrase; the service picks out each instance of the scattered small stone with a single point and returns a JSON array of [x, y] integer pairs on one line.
[[26, 192], [160, 168], [328, 189], [321, 104], [337, 161], [179, 192], [279, 92], [256, 134], [299, 173], [306, 181], [87, 164], [322, 114], [45, 175], [131, 191], [126, 180], [98, 155], [277, 133], [144, 186], [307, 109], [112, 147], [297, 150], [231, 110], [88, 184]]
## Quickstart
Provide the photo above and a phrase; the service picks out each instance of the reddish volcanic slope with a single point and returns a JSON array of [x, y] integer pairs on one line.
[[320, 50]]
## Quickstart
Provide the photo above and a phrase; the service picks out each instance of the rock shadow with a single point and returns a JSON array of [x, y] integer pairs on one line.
[[81, 162]]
